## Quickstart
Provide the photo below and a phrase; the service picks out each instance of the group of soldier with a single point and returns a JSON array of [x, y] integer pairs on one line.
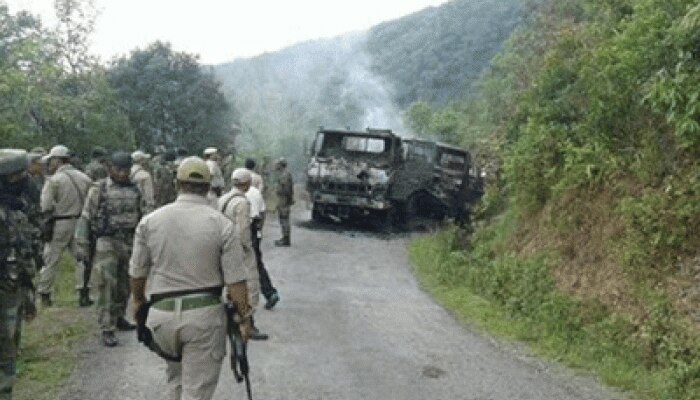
[[170, 230]]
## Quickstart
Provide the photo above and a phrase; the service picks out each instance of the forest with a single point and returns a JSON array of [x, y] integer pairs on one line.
[[53, 90]]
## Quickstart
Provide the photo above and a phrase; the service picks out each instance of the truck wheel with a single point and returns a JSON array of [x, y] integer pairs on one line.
[[316, 215]]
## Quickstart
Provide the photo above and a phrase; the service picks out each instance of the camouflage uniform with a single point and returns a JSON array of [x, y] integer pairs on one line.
[[96, 170], [143, 180], [164, 190], [111, 214], [285, 200], [16, 272]]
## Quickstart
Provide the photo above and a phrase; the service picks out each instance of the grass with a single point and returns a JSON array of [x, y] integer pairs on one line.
[[495, 294], [50, 343]]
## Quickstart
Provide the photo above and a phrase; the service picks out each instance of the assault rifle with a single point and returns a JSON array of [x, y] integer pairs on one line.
[[239, 356]]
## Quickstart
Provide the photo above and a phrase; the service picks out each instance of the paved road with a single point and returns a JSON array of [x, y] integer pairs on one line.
[[352, 324]]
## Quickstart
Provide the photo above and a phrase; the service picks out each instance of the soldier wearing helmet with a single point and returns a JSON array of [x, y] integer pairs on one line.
[[62, 201], [185, 253], [112, 210], [16, 262], [285, 200], [97, 167]]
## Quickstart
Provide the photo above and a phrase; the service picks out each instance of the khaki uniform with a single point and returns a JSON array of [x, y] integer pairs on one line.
[[187, 245], [285, 200], [236, 207], [62, 197], [217, 177], [111, 214], [144, 182]]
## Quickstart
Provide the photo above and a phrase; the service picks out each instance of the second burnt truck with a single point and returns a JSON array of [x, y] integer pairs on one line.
[[376, 174]]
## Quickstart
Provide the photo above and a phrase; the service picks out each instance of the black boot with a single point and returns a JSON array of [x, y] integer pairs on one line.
[[284, 242], [124, 325], [84, 297], [255, 334], [108, 339], [272, 301]]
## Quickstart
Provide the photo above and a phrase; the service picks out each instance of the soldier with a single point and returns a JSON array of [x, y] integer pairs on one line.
[[212, 158], [142, 178], [164, 179], [110, 215], [257, 212], [285, 200], [62, 202], [37, 168], [236, 207], [185, 253], [228, 165], [256, 180], [16, 264], [96, 168]]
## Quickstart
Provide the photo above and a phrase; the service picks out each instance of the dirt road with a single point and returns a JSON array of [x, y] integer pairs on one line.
[[352, 324]]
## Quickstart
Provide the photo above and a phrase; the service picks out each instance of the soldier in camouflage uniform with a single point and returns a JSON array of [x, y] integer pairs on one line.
[[285, 200], [112, 211], [164, 189], [16, 263], [96, 168]]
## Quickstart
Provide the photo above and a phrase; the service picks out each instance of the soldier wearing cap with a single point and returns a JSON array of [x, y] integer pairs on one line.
[[62, 202], [212, 158], [185, 253], [285, 200], [236, 207], [257, 212], [97, 167], [112, 210], [16, 263], [143, 179]]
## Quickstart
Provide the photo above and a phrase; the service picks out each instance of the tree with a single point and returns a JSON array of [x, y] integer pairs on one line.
[[170, 100]]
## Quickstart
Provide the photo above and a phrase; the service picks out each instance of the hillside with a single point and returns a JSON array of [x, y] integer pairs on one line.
[[365, 78]]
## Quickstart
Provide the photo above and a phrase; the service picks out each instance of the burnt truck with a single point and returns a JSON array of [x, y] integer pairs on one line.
[[377, 174]]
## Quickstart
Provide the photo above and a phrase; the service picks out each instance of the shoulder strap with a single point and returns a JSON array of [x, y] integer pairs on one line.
[[223, 210], [75, 185]]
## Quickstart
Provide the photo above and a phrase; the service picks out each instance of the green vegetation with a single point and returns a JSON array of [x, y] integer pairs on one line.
[[587, 237], [50, 343], [52, 90]]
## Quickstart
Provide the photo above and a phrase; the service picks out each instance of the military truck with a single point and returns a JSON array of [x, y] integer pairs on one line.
[[378, 175]]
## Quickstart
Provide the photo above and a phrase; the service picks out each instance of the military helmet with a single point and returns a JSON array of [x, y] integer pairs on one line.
[[122, 159], [250, 163], [194, 170], [13, 161], [38, 150], [98, 152], [139, 156], [59, 151], [240, 176]]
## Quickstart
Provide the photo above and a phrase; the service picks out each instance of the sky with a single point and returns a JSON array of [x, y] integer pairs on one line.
[[222, 30]]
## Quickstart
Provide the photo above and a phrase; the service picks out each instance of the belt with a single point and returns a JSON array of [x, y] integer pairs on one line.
[[62, 217], [187, 303]]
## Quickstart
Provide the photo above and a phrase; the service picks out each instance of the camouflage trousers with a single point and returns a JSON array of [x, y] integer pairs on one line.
[[284, 213], [10, 303], [110, 276]]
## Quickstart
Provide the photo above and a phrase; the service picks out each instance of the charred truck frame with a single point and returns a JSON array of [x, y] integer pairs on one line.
[[375, 173]]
